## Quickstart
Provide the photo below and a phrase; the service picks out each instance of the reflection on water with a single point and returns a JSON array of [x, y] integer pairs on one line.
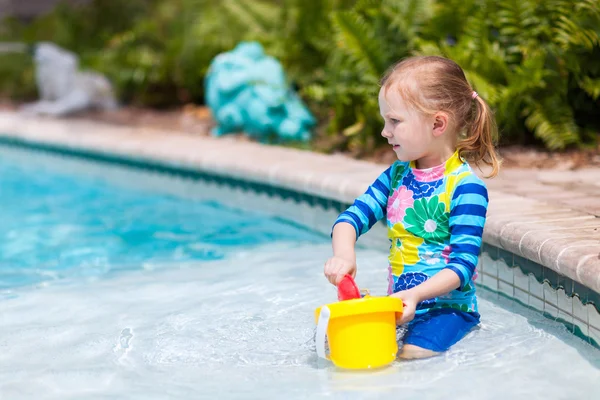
[[243, 327]]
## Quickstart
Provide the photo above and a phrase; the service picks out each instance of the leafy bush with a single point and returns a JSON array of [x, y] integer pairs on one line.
[[17, 80], [536, 62]]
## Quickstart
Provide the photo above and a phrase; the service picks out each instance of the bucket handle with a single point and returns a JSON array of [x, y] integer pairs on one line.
[[322, 331]]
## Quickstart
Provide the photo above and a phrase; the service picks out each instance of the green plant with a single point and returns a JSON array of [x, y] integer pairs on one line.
[[526, 57], [366, 39], [162, 59], [143, 61], [17, 80], [535, 62]]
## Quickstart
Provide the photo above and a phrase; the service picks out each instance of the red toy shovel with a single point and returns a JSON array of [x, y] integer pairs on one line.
[[347, 289]]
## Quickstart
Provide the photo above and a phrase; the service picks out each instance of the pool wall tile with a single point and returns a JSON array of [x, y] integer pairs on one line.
[[324, 219], [580, 311], [580, 316], [522, 296], [521, 280], [565, 283], [529, 267], [594, 336], [507, 256], [535, 288], [506, 288], [556, 296], [489, 249], [479, 279], [551, 277], [550, 311], [593, 316], [491, 265], [491, 282], [594, 298], [550, 294], [306, 214], [565, 306], [536, 303], [565, 303], [505, 270], [581, 291]]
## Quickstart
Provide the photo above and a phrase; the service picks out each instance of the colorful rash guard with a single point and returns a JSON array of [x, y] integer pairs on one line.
[[435, 220]]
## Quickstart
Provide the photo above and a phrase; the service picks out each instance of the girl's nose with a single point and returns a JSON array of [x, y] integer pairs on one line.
[[385, 133]]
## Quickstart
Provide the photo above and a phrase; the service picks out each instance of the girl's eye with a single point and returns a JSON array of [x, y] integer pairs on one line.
[[394, 121]]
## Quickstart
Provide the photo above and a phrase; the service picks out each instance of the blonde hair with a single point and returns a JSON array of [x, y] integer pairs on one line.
[[432, 84]]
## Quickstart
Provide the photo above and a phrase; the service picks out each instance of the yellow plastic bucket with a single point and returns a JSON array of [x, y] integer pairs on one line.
[[361, 333]]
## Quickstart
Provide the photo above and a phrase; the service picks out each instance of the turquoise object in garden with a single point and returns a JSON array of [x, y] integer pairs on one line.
[[247, 91]]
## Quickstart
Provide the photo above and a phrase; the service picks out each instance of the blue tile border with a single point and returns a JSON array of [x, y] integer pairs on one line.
[[178, 171], [556, 281], [529, 267], [571, 327], [544, 274]]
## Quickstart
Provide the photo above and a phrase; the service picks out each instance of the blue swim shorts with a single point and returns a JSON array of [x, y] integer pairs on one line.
[[440, 329]]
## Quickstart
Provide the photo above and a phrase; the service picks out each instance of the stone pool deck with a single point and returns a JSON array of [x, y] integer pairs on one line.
[[546, 216]]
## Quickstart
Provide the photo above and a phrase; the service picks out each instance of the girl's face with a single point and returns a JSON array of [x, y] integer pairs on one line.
[[408, 131]]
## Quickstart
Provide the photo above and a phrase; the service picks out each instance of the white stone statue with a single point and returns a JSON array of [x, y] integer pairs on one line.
[[63, 88]]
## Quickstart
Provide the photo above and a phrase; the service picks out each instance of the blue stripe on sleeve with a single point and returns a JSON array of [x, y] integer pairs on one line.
[[369, 211], [467, 220], [369, 207], [470, 188], [466, 248], [460, 272], [382, 185], [468, 210], [351, 219], [466, 230]]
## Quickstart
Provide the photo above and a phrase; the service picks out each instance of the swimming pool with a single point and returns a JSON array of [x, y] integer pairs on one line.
[[115, 284]]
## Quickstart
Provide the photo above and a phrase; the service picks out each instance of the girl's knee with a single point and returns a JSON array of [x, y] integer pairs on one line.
[[411, 352]]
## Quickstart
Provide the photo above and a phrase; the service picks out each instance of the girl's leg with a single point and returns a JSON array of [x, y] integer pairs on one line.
[[436, 331], [412, 352]]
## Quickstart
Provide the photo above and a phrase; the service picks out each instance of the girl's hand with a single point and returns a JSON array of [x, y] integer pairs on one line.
[[441, 283], [337, 267], [410, 301]]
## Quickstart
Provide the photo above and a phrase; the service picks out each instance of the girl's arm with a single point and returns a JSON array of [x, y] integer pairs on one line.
[[468, 211], [343, 240], [369, 207], [366, 210], [344, 257], [441, 283]]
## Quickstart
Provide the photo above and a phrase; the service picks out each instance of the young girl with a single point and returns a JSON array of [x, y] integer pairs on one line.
[[434, 203]]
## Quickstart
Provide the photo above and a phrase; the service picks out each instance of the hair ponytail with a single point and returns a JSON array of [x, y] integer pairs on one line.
[[481, 136]]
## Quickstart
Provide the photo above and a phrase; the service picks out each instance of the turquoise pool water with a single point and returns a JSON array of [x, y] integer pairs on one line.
[[57, 226], [112, 288]]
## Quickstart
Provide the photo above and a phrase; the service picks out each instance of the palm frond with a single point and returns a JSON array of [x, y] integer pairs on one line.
[[407, 16], [552, 121], [577, 25], [591, 86], [354, 37]]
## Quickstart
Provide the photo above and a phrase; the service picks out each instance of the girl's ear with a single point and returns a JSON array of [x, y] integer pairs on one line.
[[440, 124]]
